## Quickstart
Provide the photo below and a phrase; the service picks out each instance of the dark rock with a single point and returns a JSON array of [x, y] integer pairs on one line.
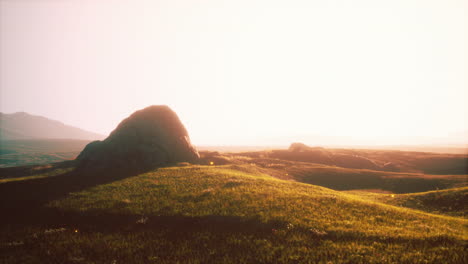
[[298, 147], [301, 147], [148, 139], [304, 153]]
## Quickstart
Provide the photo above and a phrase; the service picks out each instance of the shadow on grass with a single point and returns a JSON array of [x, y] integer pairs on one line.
[[342, 182], [179, 227], [33, 233], [24, 199], [30, 170], [22, 205]]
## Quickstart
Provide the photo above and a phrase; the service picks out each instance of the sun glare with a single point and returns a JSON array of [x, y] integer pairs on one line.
[[265, 72]]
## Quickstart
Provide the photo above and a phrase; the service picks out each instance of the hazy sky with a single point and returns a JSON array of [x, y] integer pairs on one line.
[[243, 71]]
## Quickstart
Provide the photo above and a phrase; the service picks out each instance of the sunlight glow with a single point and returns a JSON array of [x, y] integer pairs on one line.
[[265, 72]]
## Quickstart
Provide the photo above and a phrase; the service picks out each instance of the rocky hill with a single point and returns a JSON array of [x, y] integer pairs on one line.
[[149, 138]]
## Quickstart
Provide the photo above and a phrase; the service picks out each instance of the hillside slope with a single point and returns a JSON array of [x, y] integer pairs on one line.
[[22, 125], [219, 214], [453, 202], [339, 178], [383, 160]]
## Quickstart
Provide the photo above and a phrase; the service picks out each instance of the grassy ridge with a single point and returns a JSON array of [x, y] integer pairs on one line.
[[35, 171], [453, 202], [228, 214], [201, 191], [386, 160], [340, 178]]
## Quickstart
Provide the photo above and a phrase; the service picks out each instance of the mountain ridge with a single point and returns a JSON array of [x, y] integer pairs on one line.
[[22, 125]]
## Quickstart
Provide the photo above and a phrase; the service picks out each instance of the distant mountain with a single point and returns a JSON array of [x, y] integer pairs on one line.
[[22, 125]]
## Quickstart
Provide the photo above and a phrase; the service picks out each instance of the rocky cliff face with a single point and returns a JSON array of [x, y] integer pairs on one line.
[[149, 138]]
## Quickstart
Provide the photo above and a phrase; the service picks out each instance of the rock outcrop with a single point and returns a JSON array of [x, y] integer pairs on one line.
[[149, 138], [301, 147]]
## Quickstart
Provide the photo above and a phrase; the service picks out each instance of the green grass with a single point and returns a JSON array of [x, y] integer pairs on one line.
[[201, 191], [452, 202], [51, 173], [229, 214]]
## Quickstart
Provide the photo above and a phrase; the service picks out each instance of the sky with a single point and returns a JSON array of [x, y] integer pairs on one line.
[[244, 72]]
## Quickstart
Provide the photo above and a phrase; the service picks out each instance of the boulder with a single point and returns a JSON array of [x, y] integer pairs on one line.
[[301, 147], [298, 147], [149, 138]]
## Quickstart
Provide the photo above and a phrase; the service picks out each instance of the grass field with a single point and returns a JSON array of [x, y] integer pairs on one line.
[[216, 214], [453, 202], [341, 178]]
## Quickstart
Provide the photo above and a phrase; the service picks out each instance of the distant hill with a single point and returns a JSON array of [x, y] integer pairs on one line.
[[449, 149], [353, 169], [22, 125]]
